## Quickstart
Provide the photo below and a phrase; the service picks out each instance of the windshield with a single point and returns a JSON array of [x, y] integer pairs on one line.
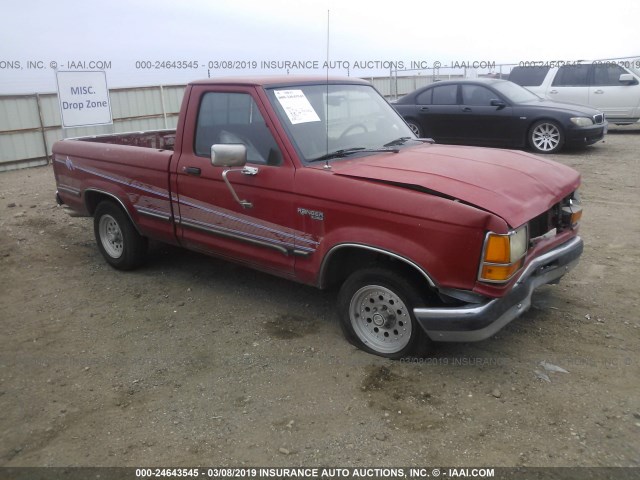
[[515, 93], [322, 119]]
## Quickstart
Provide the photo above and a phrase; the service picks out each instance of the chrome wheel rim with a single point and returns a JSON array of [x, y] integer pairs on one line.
[[380, 319], [546, 137], [111, 236], [414, 128]]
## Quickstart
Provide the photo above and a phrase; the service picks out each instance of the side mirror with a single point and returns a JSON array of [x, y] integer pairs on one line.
[[498, 103], [627, 79], [232, 155], [228, 155]]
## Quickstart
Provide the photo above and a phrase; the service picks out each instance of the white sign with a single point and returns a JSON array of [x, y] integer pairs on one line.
[[297, 107], [83, 98]]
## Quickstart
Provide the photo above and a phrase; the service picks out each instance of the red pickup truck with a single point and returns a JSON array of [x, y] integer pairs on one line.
[[322, 182]]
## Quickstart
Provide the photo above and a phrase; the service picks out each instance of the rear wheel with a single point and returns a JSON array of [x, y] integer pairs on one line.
[[376, 313], [546, 136], [415, 128], [118, 241]]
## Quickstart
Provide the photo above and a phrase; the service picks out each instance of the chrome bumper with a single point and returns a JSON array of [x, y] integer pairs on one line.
[[477, 322]]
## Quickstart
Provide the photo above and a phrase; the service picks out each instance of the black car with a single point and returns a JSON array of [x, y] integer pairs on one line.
[[494, 112]]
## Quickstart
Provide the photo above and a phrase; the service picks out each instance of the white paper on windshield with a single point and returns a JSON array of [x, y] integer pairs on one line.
[[297, 107]]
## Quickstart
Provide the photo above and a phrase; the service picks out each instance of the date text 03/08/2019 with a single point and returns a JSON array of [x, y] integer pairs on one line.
[[314, 472]]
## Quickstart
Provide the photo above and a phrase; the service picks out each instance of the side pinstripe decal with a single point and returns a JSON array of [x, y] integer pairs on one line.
[[261, 233]]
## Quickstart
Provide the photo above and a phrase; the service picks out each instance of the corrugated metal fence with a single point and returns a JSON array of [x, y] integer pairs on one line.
[[31, 124]]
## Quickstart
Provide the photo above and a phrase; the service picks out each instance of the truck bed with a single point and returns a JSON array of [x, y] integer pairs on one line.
[[130, 167], [157, 139]]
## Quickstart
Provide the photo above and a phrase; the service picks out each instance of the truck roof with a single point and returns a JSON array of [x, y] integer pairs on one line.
[[276, 80]]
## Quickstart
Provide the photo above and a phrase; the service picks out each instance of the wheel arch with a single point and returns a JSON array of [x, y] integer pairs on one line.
[[93, 197], [543, 117], [343, 259]]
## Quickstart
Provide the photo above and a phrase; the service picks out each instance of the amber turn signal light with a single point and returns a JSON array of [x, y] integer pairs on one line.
[[500, 273], [498, 249], [503, 255]]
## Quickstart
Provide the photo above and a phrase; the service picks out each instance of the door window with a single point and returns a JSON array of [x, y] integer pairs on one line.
[[572, 76], [445, 95], [528, 76], [477, 95], [424, 98], [235, 118], [607, 75]]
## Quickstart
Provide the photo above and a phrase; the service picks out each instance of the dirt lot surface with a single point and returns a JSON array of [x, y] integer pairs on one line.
[[193, 361]]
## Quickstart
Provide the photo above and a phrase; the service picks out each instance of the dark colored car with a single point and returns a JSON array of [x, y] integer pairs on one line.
[[495, 112]]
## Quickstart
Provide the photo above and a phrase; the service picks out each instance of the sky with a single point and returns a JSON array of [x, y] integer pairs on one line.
[[152, 42]]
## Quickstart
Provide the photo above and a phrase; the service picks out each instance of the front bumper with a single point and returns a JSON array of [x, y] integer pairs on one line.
[[477, 322], [577, 137]]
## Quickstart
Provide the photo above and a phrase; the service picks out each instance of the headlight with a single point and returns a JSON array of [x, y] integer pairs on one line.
[[572, 213], [503, 255], [581, 121]]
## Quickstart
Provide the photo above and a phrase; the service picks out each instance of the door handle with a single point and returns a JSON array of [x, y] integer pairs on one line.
[[192, 171], [424, 109], [466, 109], [553, 92], [599, 91]]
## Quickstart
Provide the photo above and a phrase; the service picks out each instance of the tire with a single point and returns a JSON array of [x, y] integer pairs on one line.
[[118, 241], [376, 314], [415, 128], [546, 136]]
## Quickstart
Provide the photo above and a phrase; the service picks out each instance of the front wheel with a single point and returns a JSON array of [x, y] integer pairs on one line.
[[376, 313], [546, 136], [118, 241]]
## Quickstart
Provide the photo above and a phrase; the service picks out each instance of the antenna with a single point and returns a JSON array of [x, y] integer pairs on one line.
[[326, 115]]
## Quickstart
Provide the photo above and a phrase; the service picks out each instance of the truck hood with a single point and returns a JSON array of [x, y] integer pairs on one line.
[[514, 185]]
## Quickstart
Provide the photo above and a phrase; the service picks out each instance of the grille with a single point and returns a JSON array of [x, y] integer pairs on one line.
[[598, 118], [541, 224], [548, 220]]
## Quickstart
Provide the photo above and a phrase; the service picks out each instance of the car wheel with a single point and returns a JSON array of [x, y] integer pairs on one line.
[[118, 241], [376, 313], [546, 136], [415, 128]]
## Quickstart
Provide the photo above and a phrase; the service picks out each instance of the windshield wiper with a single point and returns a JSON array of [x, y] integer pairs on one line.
[[350, 151], [397, 141], [403, 140]]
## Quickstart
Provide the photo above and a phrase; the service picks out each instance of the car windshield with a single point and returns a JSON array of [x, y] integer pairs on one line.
[[515, 93], [326, 121]]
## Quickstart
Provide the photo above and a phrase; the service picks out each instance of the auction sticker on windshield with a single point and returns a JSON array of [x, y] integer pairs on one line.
[[297, 107]]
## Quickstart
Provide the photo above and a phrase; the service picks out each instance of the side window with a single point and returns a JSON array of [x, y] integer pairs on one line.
[[528, 76], [445, 95], [572, 76], [235, 118], [424, 98], [477, 95], [604, 75]]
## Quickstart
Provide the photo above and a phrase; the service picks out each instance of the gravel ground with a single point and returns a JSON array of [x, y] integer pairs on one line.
[[192, 361]]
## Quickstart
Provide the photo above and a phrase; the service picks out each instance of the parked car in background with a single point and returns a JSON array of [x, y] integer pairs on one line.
[[494, 112], [607, 86]]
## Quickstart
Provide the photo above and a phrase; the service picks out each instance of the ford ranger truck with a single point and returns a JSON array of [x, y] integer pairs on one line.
[[320, 181]]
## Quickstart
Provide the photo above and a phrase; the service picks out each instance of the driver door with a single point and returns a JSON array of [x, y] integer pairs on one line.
[[260, 233]]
